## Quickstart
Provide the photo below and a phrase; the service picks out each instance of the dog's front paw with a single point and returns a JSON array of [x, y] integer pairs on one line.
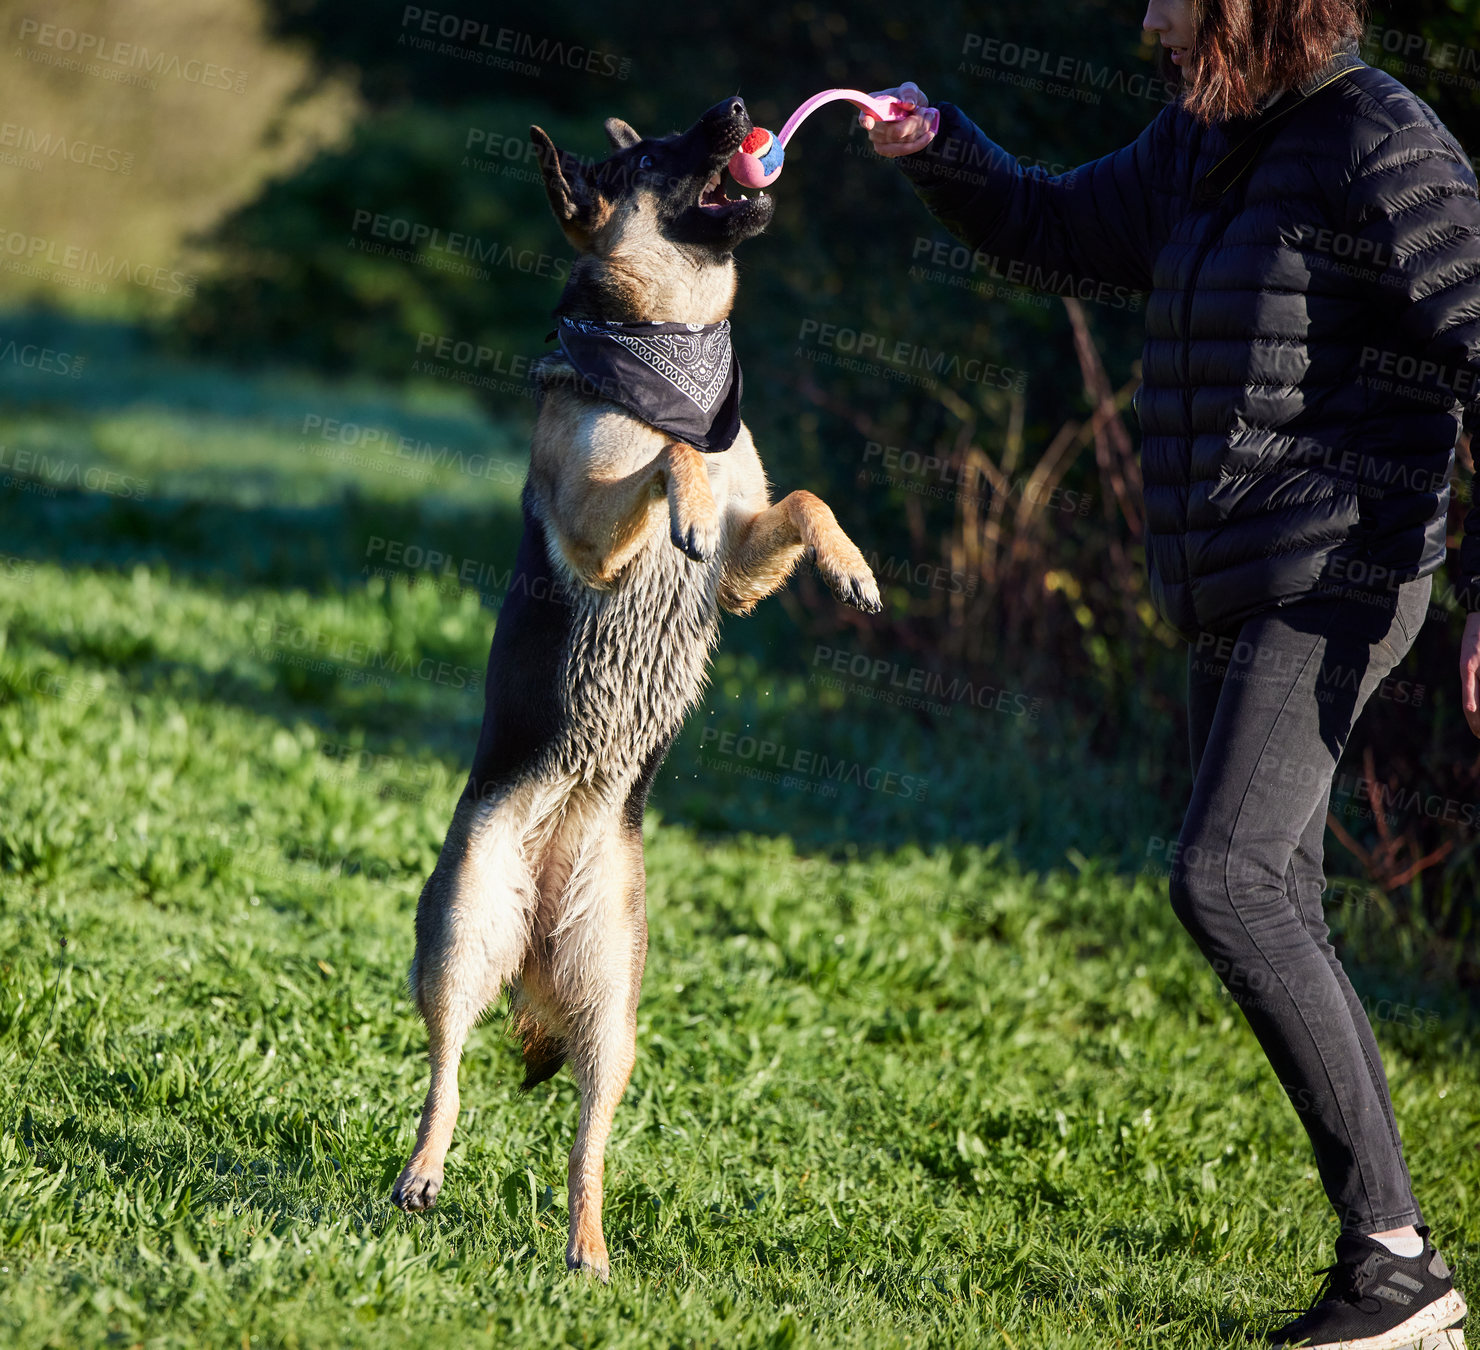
[[848, 576], [415, 1190], [597, 1265], [695, 530]]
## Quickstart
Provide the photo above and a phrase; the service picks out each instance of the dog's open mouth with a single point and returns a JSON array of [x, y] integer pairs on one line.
[[714, 198]]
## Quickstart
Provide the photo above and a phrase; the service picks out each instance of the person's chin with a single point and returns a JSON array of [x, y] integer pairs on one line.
[[1171, 72]]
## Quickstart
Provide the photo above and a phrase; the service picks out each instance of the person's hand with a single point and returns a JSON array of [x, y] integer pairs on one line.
[[905, 136], [1469, 672]]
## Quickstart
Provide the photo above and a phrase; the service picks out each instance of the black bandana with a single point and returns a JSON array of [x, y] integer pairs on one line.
[[681, 378]]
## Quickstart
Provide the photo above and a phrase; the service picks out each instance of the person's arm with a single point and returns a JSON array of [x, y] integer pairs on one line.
[[1468, 593], [1102, 221], [1414, 211]]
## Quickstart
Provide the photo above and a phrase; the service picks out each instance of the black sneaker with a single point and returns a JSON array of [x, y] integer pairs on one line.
[[1374, 1300]]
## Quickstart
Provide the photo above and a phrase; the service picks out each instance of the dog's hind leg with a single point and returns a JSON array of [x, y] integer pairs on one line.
[[771, 542], [472, 927], [598, 950]]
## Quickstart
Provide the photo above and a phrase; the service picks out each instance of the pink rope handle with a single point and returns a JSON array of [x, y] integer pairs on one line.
[[885, 109]]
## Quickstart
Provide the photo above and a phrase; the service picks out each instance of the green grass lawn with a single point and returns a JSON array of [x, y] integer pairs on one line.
[[886, 1093]]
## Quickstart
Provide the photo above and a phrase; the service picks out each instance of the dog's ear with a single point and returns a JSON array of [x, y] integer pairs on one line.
[[572, 196], [620, 134]]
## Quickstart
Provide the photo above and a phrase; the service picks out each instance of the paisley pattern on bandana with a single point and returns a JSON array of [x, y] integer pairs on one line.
[[696, 363], [681, 378]]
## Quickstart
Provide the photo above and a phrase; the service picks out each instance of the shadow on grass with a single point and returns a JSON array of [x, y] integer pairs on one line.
[[234, 548], [117, 366]]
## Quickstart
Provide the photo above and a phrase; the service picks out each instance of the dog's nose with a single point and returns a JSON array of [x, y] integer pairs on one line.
[[727, 110]]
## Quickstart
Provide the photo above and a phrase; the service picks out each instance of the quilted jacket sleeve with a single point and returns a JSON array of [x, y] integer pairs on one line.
[[1416, 217], [1099, 221]]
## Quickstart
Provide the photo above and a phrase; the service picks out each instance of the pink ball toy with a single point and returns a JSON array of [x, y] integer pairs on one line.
[[758, 160]]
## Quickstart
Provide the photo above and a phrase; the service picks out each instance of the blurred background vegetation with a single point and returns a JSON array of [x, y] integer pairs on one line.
[[239, 183]]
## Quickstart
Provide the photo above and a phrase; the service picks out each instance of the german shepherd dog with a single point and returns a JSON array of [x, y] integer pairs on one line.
[[633, 541]]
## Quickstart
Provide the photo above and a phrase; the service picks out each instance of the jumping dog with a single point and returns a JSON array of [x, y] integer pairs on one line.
[[633, 541]]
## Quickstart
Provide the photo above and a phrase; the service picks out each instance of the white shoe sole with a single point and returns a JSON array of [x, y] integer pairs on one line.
[[1430, 1328]]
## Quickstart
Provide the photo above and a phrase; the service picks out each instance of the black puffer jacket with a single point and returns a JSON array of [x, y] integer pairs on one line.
[[1312, 332]]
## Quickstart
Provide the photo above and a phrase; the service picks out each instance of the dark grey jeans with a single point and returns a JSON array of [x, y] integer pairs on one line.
[[1270, 708]]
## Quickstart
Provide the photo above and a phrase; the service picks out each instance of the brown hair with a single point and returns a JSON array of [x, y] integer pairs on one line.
[[1241, 49]]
